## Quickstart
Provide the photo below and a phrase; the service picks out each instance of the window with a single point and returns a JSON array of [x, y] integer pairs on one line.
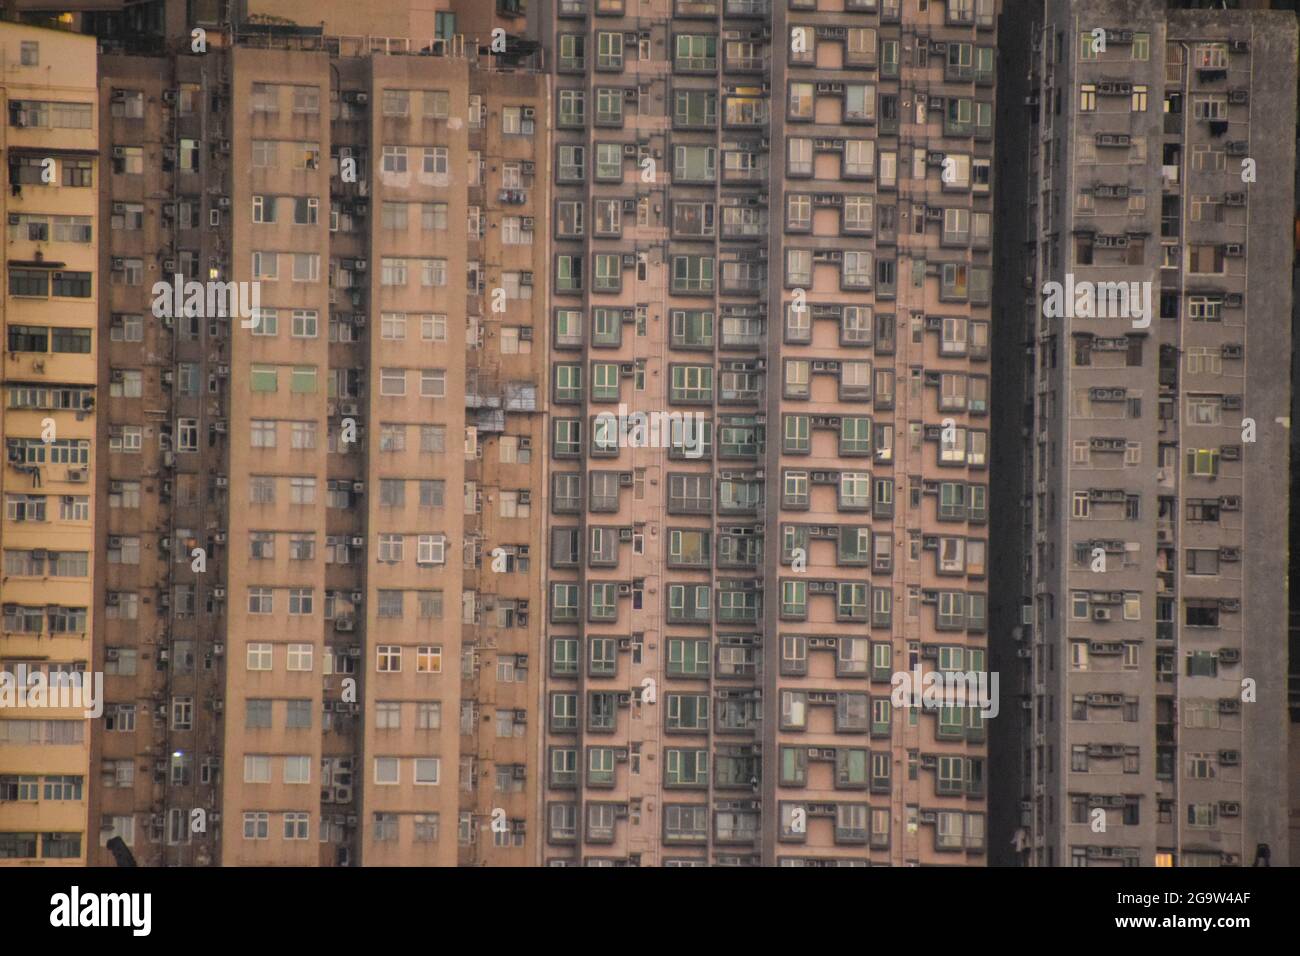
[[392, 381], [187, 434], [300, 655], [1202, 561], [859, 102], [296, 769], [261, 601], [394, 159], [306, 99], [856, 272], [1203, 462], [300, 599], [431, 549], [397, 103], [428, 658], [297, 825], [257, 825], [433, 383], [388, 772], [306, 267]]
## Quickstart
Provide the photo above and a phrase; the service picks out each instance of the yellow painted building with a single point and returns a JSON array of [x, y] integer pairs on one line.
[[48, 374]]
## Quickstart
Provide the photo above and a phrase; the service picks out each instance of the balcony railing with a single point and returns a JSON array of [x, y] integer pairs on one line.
[[747, 8]]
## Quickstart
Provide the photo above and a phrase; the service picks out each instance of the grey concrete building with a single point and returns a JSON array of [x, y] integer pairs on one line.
[[1157, 298]]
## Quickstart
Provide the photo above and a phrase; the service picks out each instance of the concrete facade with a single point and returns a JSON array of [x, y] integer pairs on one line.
[[1155, 593]]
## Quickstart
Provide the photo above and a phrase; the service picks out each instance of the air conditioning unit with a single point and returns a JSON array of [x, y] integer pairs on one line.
[[1101, 614], [77, 475]]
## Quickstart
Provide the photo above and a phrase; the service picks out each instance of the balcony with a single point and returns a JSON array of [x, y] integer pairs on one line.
[[741, 339], [746, 113], [740, 393], [746, 168], [738, 612], [748, 283], [953, 127], [732, 229], [566, 504], [740, 443], [703, 63], [688, 615], [756, 63], [733, 555]]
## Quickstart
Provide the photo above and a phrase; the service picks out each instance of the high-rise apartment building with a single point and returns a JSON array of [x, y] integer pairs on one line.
[[1157, 300], [558, 445], [322, 440], [49, 377], [771, 231]]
